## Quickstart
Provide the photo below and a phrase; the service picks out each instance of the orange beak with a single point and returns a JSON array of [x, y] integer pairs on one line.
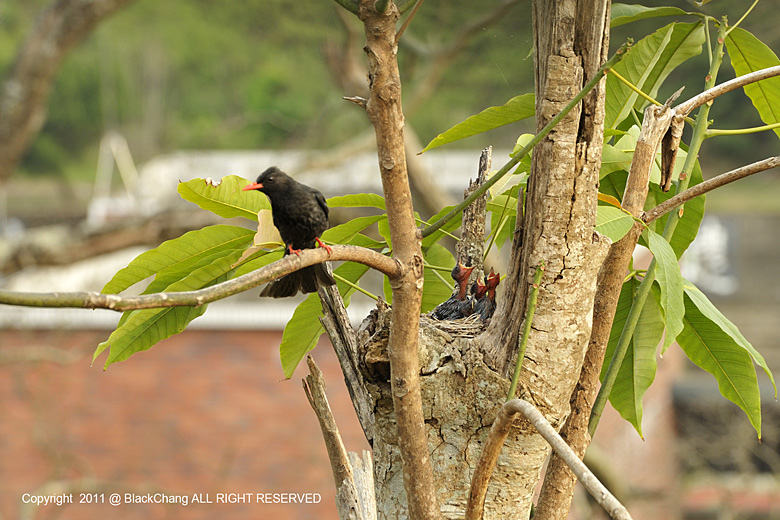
[[252, 186]]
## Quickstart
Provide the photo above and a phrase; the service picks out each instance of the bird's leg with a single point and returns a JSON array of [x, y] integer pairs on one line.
[[293, 251], [323, 244]]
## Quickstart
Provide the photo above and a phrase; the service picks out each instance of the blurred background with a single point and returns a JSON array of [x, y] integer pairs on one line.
[[165, 91]]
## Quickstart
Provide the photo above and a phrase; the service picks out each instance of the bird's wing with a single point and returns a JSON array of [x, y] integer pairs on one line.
[[321, 201]]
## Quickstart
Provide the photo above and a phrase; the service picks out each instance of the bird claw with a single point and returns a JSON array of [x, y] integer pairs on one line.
[[293, 251], [323, 244]]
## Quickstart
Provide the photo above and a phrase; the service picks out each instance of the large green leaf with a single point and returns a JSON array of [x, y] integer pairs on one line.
[[713, 349], [686, 42], [614, 184], [449, 227], [176, 258], [225, 198], [638, 369], [357, 200], [613, 222], [343, 233], [503, 215], [142, 329], [706, 307], [692, 213], [647, 65], [304, 328], [614, 159], [749, 54], [517, 108], [435, 290], [624, 13], [670, 281]]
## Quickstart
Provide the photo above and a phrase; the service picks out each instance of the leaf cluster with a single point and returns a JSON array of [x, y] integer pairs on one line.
[[204, 257]]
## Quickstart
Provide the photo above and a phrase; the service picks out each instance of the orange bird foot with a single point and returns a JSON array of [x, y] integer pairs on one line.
[[323, 244]]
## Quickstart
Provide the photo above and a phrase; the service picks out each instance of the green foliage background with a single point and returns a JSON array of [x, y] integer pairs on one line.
[[197, 74]]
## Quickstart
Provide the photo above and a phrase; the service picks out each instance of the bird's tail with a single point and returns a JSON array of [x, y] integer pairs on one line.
[[306, 280]]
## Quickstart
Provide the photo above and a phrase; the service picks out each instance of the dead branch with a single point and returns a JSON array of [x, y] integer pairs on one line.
[[344, 340], [492, 449], [708, 95], [314, 387], [707, 186]]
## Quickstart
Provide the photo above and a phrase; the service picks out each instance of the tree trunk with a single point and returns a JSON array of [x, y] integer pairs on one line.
[[461, 398], [462, 370]]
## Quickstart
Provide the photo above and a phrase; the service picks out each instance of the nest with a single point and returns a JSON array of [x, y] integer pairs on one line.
[[468, 327]]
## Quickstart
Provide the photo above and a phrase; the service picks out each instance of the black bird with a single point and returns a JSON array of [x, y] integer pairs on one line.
[[301, 215], [479, 295], [457, 306], [486, 300]]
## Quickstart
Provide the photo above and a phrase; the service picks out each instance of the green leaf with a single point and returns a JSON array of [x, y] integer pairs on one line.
[[687, 228], [449, 227], [705, 306], [517, 108], [435, 290], [647, 65], [748, 54], [343, 233], [713, 349], [503, 215], [225, 199], [670, 281], [142, 329], [624, 13], [614, 159], [180, 256], [613, 222], [357, 200], [638, 369], [304, 328]]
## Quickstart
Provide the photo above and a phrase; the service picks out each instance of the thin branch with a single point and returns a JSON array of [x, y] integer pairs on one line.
[[288, 264], [408, 20], [634, 88], [740, 131], [314, 387], [527, 149], [718, 90], [709, 185], [385, 111], [529, 316], [495, 441], [742, 18]]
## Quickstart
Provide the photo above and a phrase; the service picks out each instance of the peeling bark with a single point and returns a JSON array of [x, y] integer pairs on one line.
[[461, 397]]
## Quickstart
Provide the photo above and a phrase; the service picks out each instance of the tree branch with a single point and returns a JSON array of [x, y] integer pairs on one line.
[[385, 112], [492, 449], [708, 95], [288, 264], [708, 185], [314, 387]]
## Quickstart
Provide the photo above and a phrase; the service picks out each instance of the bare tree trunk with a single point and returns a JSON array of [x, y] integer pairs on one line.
[[571, 44], [25, 90]]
